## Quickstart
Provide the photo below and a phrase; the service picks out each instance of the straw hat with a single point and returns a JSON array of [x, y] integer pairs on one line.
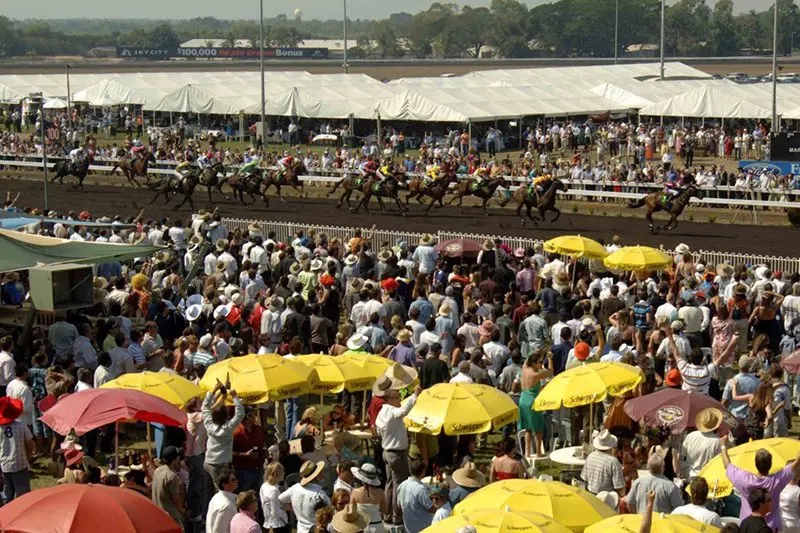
[[488, 244], [445, 310], [469, 477], [275, 303], [486, 328], [100, 282], [426, 240], [254, 228], [677, 325], [367, 474], [604, 441], [381, 386], [681, 248], [357, 341], [310, 471], [294, 269], [316, 265], [385, 255], [237, 298], [403, 335], [708, 419], [401, 376], [351, 260], [609, 498], [356, 284], [350, 520], [222, 311], [220, 266], [221, 244], [71, 441]]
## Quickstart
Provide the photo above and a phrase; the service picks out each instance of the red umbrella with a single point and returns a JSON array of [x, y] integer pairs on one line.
[[791, 363], [673, 408], [73, 508], [90, 409], [458, 248]]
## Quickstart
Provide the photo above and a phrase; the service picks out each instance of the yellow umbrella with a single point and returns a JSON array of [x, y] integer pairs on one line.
[[570, 506], [337, 373], [661, 524], [637, 258], [461, 409], [497, 521], [375, 365], [588, 384], [576, 246], [783, 450], [169, 387], [262, 378]]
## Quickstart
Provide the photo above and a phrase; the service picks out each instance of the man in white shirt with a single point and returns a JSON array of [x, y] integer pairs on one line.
[[701, 445], [697, 509], [83, 353], [463, 373], [222, 507], [306, 496], [19, 389], [394, 441], [7, 364]]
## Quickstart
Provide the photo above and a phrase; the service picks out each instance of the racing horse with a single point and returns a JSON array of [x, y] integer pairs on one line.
[[184, 184], [289, 177], [213, 176], [544, 202], [485, 192], [67, 168], [132, 167], [350, 184], [251, 184], [436, 190], [655, 202], [389, 188]]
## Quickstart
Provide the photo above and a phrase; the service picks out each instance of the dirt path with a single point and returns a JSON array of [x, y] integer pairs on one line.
[[780, 241]]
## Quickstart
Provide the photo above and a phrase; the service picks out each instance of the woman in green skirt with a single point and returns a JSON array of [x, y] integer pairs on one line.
[[530, 382]]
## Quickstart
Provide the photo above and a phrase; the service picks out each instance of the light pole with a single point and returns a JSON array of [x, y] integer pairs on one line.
[[38, 100], [775, 126], [616, 33], [261, 66], [346, 66], [69, 98], [663, 8]]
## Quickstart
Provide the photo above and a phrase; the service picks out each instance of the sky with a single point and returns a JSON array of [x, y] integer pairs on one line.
[[245, 9]]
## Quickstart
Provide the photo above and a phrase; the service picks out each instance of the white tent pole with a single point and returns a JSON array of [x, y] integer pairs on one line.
[[522, 149], [241, 126], [380, 138]]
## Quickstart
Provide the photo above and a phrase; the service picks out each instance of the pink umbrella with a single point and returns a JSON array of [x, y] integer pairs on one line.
[[91, 409], [673, 408], [791, 363]]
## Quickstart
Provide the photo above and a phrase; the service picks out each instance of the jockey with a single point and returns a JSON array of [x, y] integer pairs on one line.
[[434, 173], [251, 161], [138, 149], [385, 172], [77, 155], [203, 161], [541, 183], [480, 176], [671, 189]]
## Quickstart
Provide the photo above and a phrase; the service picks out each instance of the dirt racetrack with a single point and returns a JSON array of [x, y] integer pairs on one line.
[[104, 200]]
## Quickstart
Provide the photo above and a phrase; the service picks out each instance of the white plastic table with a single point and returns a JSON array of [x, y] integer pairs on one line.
[[571, 456]]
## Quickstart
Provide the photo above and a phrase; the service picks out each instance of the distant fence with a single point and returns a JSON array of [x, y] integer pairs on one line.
[[286, 232]]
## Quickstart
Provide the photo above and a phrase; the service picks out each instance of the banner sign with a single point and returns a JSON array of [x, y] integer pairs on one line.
[[221, 53], [782, 168]]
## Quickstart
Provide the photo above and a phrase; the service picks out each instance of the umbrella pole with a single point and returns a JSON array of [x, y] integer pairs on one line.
[[148, 439], [363, 407], [116, 447]]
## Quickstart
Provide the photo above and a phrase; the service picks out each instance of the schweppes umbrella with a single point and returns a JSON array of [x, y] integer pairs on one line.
[[461, 409], [499, 521], [588, 384], [662, 523], [373, 364], [262, 378], [338, 373]]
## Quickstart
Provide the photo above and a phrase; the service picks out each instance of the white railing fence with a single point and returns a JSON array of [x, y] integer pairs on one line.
[[286, 232]]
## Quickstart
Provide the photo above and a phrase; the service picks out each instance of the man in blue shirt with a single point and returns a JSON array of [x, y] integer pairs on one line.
[[424, 306], [414, 500], [746, 383]]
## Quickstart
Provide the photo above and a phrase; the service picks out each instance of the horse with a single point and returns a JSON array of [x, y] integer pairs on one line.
[[131, 167], [543, 203], [213, 176], [290, 177], [484, 192], [436, 190], [654, 203], [251, 184], [184, 184], [350, 183], [66, 168], [389, 188]]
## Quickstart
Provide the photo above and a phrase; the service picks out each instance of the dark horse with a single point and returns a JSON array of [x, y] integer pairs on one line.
[[350, 183], [131, 167], [470, 188], [389, 188], [184, 184], [654, 202], [289, 177], [543, 203], [436, 190], [251, 184], [67, 168], [213, 176]]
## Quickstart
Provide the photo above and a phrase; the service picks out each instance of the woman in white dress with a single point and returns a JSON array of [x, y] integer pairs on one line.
[[369, 497]]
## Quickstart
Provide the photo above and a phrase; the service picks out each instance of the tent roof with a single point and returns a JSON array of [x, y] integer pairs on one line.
[[19, 251], [108, 93], [410, 105], [191, 99], [708, 101]]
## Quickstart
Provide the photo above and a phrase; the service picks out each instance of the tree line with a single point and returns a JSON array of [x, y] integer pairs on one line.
[[507, 28]]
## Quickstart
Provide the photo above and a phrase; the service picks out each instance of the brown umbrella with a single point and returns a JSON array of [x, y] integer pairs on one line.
[[458, 248], [674, 408]]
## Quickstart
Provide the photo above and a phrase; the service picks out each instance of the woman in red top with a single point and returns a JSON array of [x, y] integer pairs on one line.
[[506, 464]]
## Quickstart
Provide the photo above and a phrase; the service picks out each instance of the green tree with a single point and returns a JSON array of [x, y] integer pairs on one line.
[[688, 25], [385, 39], [509, 32], [725, 35], [8, 37], [283, 37], [466, 33]]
